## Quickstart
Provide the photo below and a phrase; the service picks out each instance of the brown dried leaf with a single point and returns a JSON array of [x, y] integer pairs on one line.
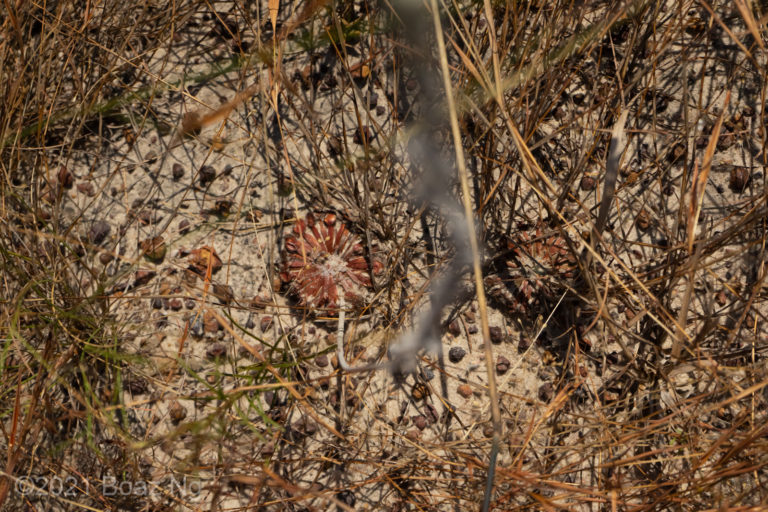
[[205, 258]]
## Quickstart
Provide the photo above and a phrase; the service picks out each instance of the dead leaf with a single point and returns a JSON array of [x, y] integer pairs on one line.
[[700, 176], [203, 259], [615, 150]]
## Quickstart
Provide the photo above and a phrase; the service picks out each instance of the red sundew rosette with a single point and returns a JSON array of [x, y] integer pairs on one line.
[[320, 259]]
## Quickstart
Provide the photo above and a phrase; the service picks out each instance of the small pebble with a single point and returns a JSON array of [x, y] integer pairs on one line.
[[153, 249], [726, 140], [588, 183], [546, 392], [65, 177], [175, 304], [196, 327], [265, 323], [464, 390], [136, 385], [420, 421], [216, 351], [106, 257], [260, 302], [334, 145], [497, 335], [643, 221], [162, 322], [304, 426], [322, 361], [224, 293], [143, 277], [207, 174], [363, 136], [502, 365], [721, 298], [431, 414], [222, 207], [86, 188], [739, 179], [678, 152], [269, 449], [99, 231], [210, 323], [456, 354], [176, 411], [177, 172], [454, 328], [347, 497]]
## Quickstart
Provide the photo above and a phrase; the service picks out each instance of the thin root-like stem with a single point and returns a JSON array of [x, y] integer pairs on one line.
[[340, 336]]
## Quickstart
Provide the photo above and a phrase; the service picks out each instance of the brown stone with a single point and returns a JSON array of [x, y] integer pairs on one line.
[[210, 323], [464, 390]]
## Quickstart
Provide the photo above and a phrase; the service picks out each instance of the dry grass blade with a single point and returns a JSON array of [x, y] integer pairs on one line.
[[615, 151], [472, 235], [700, 178], [749, 20]]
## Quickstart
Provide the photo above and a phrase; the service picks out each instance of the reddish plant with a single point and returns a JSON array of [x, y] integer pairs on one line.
[[539, 267], [323, 259]]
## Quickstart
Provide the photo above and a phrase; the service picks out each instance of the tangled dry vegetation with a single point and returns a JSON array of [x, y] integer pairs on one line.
[[190, 190]]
